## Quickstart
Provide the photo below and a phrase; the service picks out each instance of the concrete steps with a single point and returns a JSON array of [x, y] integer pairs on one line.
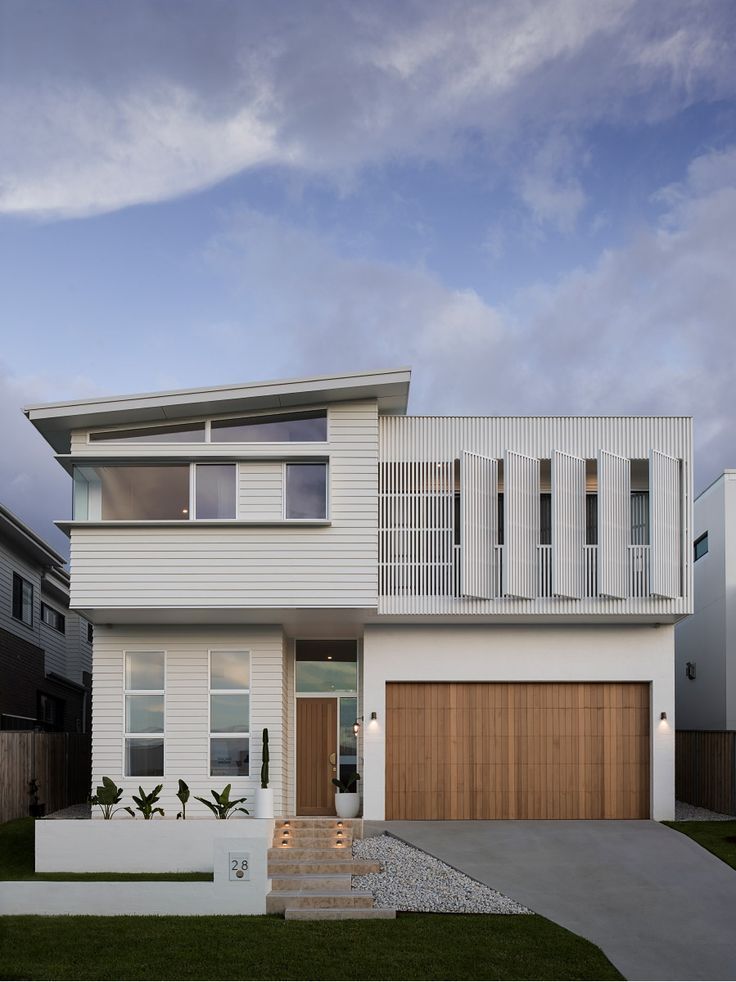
[[311, 865]]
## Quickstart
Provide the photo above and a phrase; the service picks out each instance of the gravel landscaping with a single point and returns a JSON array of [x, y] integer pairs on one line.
[[413, 880], [691, 813]]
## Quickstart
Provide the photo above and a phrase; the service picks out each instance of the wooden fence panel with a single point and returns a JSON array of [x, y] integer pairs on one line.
[[705, 769], [60, 762]]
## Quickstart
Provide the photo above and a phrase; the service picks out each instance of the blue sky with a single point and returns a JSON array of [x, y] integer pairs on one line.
[[533, 204]]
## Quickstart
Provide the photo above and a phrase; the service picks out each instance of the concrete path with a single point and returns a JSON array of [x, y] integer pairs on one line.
[[659, 905]]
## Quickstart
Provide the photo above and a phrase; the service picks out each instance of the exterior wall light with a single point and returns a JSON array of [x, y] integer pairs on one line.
[[663, 716], [374, 716], [690, 670], [356, 725]]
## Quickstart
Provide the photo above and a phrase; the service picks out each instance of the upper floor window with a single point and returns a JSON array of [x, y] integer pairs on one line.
[[700, 546], [22, 600], [53, 618], [306, 490], [155, 492], [308, 427], [175, 433]]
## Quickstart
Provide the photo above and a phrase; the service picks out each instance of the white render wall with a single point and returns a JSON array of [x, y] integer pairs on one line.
[[519, 653], [708, 637], [275, 564], [186, 749]]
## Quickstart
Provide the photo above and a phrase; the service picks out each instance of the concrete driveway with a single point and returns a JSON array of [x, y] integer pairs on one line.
[[659, 905]]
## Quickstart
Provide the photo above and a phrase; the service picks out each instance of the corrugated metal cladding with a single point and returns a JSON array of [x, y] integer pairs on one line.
[[475, 574], [568, 525]]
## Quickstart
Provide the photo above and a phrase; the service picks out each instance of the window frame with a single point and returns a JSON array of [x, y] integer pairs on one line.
[[210, 693], [192, 485], [108, 435], [21, 581], [285, 497], [61, 617], [293, 416], [142, 692], [697, 542]]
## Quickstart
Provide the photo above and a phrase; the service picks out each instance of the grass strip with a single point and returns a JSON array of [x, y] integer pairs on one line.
[[414, 946], [717, 837]]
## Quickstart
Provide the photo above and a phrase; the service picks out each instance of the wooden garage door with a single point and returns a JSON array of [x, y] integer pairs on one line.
[[517, 750]]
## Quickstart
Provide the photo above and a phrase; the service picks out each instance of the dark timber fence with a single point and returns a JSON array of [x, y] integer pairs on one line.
[[60, 763], [705, 769]]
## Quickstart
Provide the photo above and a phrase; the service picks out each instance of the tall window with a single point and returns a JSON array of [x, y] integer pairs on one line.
[[53, 618], [700, 546], [229, 713], [306, 490], [144, 713], [22, 600]]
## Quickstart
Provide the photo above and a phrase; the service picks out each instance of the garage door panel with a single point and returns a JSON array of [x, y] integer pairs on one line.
[[517, 750]]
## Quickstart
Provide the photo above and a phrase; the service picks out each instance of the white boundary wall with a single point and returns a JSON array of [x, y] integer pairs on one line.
[[124, 846], [470, 653], [222, 896]]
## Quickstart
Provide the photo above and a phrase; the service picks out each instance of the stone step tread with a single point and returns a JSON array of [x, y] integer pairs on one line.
[[314, 855], [307, 835], [310, 884], [279, 900], [338, 913], [352, 867]]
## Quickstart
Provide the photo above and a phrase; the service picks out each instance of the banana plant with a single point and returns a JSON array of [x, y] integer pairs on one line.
[[183, 795], [223, 806], [145, 803], [108, 795]]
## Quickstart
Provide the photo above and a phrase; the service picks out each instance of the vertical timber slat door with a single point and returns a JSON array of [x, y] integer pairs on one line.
[[316, 740], [517, 750]]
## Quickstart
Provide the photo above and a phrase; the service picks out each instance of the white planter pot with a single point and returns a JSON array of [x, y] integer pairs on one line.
[[264, 803], [347, 804]]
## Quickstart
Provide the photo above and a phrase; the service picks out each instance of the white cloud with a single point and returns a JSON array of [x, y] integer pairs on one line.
[[647, 328], [100, 113]]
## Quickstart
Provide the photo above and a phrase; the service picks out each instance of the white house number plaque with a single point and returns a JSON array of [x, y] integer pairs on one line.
[[239, 863]]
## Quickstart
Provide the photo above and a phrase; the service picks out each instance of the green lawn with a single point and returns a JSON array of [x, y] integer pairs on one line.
[[415, 946], [713, 836], [16, 860]]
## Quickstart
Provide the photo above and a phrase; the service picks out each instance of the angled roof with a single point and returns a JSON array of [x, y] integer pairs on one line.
[[56, 420], [25, 540]]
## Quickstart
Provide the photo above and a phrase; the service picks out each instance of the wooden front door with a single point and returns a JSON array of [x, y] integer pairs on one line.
[[316, 756]]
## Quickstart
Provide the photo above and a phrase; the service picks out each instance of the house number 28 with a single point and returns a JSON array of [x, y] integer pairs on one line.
[[239, 866], [239, 863]]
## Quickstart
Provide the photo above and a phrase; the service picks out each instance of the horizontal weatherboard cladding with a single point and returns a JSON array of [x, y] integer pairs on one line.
[[250, 566]]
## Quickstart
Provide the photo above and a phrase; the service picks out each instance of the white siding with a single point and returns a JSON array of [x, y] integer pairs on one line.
[[237, 566], [261, 490], [664, 524], [521, 525], [187, 708], [614, 524], [479, 523], [568, 525]]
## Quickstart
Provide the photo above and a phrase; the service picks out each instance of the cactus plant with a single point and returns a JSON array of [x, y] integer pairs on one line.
[[265, 760]]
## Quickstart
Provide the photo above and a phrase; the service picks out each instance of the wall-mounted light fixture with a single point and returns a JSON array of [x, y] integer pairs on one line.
[[356, 725], [690, 670], [663, 715], [374, 716]]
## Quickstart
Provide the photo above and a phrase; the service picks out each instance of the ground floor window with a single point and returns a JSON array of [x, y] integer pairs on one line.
[[229, 713], [145, 673]]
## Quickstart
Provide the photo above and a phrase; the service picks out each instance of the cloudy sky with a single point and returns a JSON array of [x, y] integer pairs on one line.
[[532, 203]]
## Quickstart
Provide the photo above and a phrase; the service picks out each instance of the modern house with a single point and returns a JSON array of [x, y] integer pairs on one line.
[[476, 613], [45, 648], [706, 642]]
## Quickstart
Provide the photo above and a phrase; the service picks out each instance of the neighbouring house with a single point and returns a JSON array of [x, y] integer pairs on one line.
[[706, 642], [45, 648], [476, 613]]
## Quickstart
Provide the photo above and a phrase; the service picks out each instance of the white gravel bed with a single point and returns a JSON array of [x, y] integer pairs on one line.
[[413, 880], [73, 811], [691, 813]]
